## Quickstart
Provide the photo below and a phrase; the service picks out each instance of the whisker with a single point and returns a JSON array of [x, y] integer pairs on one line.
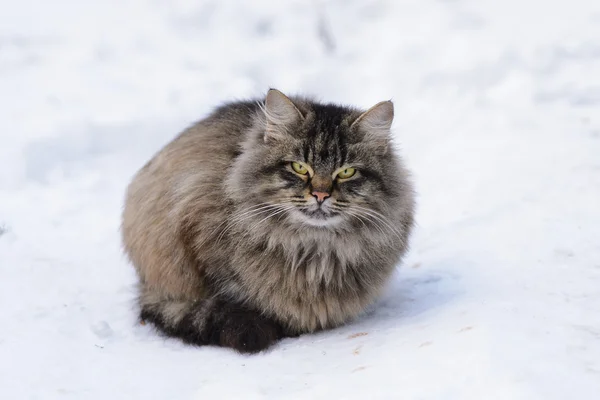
[[252, 209], [259, 206], [274, 213], [226, 221], [379, 217], [357, 216], [246, 215], [363, 217]]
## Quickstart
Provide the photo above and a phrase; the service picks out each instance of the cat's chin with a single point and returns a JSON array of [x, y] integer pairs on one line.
[[323, 222], [317, 220]]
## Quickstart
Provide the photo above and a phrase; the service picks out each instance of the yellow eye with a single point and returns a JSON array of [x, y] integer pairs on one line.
[[347, 173], [299, 168]]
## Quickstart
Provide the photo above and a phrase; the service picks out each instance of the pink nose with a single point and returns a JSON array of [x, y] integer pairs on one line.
[[321, 196]]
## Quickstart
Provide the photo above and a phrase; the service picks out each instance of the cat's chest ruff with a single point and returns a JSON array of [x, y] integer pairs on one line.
[[322, 261]]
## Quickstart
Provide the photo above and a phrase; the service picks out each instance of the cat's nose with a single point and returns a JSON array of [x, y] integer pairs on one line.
[[320, 196]]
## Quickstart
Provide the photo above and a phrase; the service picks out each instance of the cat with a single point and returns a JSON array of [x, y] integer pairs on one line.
[[268, 219]]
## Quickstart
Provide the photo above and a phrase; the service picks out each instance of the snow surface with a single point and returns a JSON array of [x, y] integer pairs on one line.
[[498, 116]]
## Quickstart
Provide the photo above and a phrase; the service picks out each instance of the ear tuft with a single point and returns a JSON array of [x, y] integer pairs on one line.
[[376, 123], [280, 112]]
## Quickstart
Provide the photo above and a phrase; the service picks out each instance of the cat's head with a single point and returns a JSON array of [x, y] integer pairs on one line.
[[319, 165]]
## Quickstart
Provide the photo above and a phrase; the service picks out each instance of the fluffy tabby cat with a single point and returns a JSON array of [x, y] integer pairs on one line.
[[268, 219]]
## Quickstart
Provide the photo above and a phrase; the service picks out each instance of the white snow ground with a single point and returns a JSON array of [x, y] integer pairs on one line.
[[498, 115]]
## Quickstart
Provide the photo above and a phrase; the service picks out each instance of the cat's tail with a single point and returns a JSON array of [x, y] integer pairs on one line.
[[210, 321]]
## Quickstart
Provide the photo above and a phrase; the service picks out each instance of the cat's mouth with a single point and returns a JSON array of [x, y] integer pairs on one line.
[[318, 213]]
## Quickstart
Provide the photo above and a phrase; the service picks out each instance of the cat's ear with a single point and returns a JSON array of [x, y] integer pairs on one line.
[[376, 123], [281, 113]]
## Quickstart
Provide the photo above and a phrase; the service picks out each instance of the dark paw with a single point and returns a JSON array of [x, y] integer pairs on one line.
[[248, 332]]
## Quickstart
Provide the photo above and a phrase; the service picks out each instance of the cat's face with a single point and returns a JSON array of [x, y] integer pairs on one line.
[[321, 166]]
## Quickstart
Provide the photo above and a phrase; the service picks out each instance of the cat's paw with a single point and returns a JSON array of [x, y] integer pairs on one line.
[[248, 332]]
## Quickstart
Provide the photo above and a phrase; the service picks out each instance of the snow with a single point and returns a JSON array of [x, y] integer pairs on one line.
[[498, 116]]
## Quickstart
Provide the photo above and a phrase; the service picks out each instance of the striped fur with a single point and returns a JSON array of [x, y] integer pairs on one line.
[[230, 246]]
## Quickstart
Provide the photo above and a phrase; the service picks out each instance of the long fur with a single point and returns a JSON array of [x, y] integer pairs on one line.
[[217, 225]]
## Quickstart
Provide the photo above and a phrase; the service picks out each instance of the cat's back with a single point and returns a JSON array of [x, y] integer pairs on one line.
[[211, 143], [201, 153]]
